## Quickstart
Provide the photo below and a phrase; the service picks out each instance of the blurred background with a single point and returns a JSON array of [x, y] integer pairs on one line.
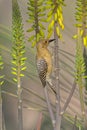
[[34, 103]]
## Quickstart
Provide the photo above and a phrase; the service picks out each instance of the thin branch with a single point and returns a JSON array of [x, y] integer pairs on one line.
[[49, 106], [69, 98], [38, 127], [57, 84], [36, 20], [9, 93], [74, 125], [3, 127]]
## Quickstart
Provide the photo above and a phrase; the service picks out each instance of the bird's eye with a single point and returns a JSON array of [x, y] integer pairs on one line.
[[46, 41]]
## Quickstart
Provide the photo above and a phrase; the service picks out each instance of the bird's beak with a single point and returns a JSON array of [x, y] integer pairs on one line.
[[51, 40]]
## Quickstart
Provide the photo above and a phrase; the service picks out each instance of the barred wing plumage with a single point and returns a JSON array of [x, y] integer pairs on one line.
[[42, 70]]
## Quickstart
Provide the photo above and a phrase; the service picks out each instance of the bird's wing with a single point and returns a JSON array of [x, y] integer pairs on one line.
[[42, 70]]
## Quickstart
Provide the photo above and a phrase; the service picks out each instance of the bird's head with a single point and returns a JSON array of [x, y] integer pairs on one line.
[[44, 43]]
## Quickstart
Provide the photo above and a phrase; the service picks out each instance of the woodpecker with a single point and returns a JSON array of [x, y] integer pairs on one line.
[[44, 62]]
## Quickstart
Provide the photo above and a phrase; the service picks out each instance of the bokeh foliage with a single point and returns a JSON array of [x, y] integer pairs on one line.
[[18, 49], [36, 19]]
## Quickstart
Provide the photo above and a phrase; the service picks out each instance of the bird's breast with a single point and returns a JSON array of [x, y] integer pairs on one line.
[[45, 54]]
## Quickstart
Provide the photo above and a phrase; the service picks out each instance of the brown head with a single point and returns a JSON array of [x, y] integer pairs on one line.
[[43, 43]]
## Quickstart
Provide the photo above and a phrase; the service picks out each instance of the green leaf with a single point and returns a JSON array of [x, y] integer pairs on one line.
[[49, 2], [51, 25], [50, 13], [30, 30], [85, 41], [21, 75], [15, 69], [30, 8], [31, 38], [14, 62], [49, 18], [41, 34], [1, 63], [43, 20], [75, 36], [41, 14], [23, 59], [41, 25], [33, 43], [84, 76], [15, 79], [2, 76], [38, 37], [13, 72], [30, 20], [24, 68], [78, 25], [49, 34], [1, 83]]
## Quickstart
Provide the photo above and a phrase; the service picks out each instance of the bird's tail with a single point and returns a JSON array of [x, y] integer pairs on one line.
[[52, 87]]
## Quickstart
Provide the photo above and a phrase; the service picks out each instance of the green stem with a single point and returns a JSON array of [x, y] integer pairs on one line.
[[75, 121], [36, 20], [82, 100], [49, 106], [84, 17], [19, 92], [20, 120], [69, 98]]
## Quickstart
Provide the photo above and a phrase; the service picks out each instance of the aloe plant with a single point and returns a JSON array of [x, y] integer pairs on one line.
[[36, 19], [81, 36], [18, 58], [80, 70], [1, 82], [1, 68], [55, 15], [81, 62], [1, 74]]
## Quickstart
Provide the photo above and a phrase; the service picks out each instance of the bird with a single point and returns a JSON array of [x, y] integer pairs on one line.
[[44, 62]]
